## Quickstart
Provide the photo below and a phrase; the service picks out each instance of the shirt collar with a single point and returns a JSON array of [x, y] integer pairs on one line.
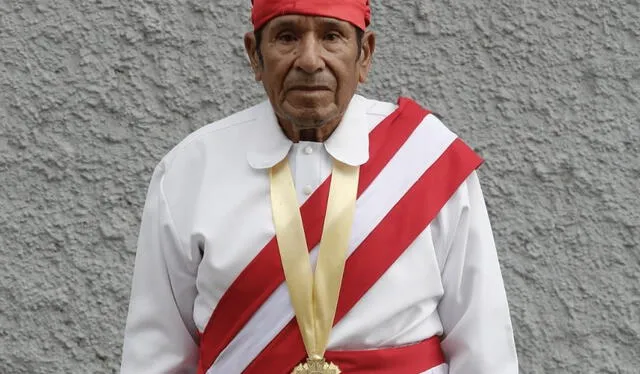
[[349, 142]]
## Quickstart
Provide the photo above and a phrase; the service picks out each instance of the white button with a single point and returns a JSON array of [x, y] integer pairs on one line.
[[308, 150], [307, 190]]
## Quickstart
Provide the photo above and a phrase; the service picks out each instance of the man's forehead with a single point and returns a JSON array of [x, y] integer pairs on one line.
[[300, 20]]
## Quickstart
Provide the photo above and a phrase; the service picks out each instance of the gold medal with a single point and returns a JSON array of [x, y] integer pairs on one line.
[[314, 297], [316, 366]]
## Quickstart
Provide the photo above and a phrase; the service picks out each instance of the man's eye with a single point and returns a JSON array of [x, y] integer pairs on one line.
[[286, 38], [332, 36]]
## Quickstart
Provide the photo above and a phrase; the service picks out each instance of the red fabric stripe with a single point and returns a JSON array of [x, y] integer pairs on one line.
[[417, 208], [414, 358], [410, 359], [264, 273]]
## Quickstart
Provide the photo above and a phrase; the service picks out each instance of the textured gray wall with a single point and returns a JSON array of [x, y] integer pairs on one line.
[[93, 93]]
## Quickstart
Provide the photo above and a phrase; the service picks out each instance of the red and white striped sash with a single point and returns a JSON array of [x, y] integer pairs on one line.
[[416, 165]]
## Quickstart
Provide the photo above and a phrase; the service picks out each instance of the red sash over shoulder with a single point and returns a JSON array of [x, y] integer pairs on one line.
[[416, 209]]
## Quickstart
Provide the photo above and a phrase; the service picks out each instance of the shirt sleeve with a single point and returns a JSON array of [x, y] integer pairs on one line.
[[478, 334], [160, 335]]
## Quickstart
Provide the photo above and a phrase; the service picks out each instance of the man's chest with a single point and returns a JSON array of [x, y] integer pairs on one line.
[[232, 226]]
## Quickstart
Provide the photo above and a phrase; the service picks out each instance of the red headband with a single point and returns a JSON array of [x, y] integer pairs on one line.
[[356, 12]]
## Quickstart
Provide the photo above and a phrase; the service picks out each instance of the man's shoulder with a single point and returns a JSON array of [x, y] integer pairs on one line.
[[383, 109], [378, 108], [221, 131]]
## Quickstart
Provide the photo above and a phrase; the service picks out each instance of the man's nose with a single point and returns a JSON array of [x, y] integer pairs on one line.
[[310, 55]]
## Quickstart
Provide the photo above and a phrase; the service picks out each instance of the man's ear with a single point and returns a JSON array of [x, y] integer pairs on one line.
[[366, 55], [251, 47]]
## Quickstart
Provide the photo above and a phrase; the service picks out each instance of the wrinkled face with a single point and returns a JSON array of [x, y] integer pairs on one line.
[[310, 67]]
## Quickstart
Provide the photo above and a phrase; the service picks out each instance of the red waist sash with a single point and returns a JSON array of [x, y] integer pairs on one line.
[[409, 359]]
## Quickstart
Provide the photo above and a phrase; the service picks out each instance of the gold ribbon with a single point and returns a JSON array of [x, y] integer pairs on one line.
[[314, 297]]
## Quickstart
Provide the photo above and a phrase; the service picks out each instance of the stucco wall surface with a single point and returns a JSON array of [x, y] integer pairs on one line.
[[94, 92]]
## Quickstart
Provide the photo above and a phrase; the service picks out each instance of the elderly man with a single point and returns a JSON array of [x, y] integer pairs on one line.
[[319, 231]]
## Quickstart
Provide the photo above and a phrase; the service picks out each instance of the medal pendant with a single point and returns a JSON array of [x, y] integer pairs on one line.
[[316, 366]]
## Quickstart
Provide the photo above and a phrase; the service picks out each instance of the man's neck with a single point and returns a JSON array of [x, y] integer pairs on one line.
[[318, 134]]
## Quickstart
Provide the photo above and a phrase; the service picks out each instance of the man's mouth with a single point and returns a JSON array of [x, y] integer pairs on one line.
[[309, 88]]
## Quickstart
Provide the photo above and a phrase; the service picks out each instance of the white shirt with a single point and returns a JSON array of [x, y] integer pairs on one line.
[[208, 214]]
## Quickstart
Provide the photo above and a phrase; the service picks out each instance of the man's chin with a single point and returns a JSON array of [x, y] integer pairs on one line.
[[308, 123], [310, 118]]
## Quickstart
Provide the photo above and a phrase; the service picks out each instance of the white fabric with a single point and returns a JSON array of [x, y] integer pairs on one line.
[[210, 195], [440, 369]]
